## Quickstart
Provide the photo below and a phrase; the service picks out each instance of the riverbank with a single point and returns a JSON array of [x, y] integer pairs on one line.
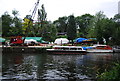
[[24, 49], [43, 47]]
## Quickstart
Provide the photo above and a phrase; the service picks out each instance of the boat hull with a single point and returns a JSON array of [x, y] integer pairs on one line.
[[116, 50], [66, 51], [99, 51]]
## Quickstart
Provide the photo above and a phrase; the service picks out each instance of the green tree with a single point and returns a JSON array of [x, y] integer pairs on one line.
[[116, 34], [0, 26], [42, 19], [44, 28], [50, 32], [15, 13], [16, 27], [97, 26], [107, 29], [112, 74], [6, 24], [61, 24], [117, 18], [83, 24], [71, 31], [27, 27]]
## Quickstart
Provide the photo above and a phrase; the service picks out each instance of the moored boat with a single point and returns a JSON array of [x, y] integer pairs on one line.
[[98, 48], [67, 50], [116, 49]]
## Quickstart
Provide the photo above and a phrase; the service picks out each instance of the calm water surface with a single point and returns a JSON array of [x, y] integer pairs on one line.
[[44, 66]]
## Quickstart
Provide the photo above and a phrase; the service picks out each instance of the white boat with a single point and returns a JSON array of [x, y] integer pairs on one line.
[[116, 49], [98, 48], [66, 50]]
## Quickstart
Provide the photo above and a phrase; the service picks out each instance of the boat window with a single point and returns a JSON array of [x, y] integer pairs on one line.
[[65, 48], [73, 48], [79, 48], [56, 48], [100, 46]]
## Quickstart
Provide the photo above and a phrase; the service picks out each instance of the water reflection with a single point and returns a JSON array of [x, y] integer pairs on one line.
[[60, 67]]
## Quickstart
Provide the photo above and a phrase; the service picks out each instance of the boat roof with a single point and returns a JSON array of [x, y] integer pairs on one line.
[[96, 45], [68, 46], [100, 45]]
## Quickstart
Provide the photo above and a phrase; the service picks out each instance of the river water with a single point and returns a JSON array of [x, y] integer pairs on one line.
[[49, 67]]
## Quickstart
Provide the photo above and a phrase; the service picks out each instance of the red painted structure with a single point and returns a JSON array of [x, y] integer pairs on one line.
[[16, 40], [107, 47]]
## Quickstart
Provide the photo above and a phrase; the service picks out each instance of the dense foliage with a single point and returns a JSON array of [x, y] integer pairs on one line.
[[111, 75], [101, 28], [71, 30], [83, 23], [87, 26]]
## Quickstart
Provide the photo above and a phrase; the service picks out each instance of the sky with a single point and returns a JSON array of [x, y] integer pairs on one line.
[[60, 8]]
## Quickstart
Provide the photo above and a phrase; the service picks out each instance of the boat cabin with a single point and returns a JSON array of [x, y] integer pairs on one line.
[[68, 48], [104, 47]]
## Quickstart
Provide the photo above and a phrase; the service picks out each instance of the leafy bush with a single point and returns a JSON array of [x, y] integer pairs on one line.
[[111, 75]]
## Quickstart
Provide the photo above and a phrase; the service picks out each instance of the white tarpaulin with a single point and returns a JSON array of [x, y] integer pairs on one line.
[[29, 41], [61, 41]]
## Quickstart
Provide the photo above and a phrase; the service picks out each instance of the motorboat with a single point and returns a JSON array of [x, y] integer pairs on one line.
[[116, 49], [99, 48], [67, 50]]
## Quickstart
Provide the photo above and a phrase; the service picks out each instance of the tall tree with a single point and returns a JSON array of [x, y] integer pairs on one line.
[[15, 13], [27, 27], [83, 23], [71, 31], [101, 27], [0, 26], [6, 24], [16, 28], [116, 34], [61, 24], [50, 32], [95, 25], [42, 18], [117, 18]]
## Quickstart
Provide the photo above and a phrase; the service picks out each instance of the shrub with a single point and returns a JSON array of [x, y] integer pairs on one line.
[[111, 75]]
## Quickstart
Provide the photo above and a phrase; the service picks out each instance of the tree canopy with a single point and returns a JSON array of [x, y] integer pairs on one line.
[[89, 26]]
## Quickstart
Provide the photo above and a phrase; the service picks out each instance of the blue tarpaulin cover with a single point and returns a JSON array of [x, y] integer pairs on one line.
[[81, 39], [85, 48]]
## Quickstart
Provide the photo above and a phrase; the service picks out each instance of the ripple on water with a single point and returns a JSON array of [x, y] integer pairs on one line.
[[53, 74]]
